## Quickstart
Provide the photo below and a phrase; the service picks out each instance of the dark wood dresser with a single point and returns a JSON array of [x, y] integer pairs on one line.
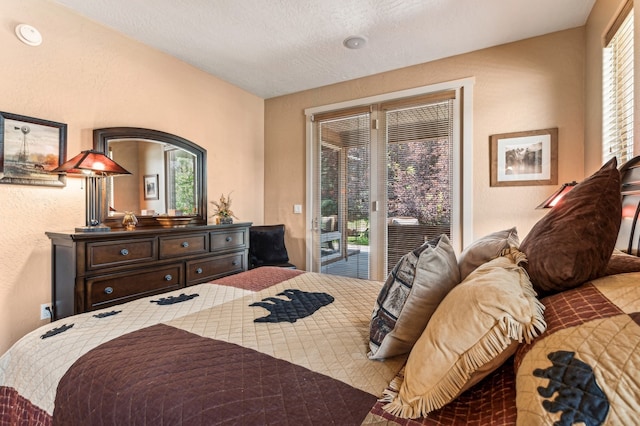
[[94, 270]]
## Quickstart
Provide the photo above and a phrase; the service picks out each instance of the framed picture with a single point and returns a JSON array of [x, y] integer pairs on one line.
[[524, 158], [150, 184], [30, 148]]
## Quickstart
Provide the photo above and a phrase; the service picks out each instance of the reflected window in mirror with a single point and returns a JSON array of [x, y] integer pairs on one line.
[[180, 186]]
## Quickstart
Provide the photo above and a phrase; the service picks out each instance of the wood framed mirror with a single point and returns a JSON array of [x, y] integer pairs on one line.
[[168, 176]]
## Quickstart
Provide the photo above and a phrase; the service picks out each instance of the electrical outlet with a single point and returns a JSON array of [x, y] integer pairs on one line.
[[45, 311]]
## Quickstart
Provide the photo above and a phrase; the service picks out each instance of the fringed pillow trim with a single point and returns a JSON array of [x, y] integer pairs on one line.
[[492, 344]]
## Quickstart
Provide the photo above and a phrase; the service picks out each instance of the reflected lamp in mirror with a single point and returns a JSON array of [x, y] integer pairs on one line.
[[94, 166], [554, 198]]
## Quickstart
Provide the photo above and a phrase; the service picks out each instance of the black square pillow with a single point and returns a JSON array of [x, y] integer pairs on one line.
[[266, 243]]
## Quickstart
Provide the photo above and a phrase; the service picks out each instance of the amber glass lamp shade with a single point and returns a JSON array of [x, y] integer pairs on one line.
[[557, 196], [94, 166], [91, 162]]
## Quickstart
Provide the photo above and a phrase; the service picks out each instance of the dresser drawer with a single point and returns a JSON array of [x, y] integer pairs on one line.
[[229, 240], [116, 253], [93, 270], [119, 288], [185, 245], [203, 270]]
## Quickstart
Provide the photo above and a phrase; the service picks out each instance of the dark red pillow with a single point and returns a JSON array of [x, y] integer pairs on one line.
[[574, 241]]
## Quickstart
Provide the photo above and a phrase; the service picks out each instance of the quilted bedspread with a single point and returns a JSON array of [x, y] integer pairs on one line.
[[276, 346], [585, 368], [291, 349]]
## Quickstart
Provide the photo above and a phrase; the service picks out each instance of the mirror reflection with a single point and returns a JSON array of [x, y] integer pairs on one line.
[[162, 179], [167, 175]]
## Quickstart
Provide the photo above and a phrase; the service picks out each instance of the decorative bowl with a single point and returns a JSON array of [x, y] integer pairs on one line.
[[173, 221]]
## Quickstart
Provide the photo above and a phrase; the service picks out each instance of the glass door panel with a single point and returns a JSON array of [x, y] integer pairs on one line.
[[344, 189], [419, 176]]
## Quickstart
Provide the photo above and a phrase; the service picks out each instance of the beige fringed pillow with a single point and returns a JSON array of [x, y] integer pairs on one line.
[[474, 330]]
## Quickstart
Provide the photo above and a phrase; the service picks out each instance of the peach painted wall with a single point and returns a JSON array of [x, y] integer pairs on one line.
[[90, 77], [532, 84]]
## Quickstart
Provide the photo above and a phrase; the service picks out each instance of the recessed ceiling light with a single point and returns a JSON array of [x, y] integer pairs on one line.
[[354, 42], [28, 35]]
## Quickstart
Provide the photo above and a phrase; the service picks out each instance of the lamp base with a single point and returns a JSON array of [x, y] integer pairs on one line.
[[96, 228]]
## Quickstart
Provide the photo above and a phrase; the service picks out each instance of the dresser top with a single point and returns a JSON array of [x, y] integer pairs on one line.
[[146, 231]]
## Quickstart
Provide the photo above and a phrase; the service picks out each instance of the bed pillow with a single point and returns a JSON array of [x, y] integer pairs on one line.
[[574, 241], [485, 249], [267, 244], [622, 263], [475, 329], [410, 295]]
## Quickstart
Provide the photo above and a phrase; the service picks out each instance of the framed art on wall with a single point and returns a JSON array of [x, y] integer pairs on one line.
[[151, 187], [30, 148], [524, 158]]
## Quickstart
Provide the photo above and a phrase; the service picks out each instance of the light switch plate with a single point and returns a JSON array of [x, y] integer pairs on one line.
[[297, 208]]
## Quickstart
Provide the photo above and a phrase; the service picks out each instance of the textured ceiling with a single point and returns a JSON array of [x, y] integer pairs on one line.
[[276, 47]]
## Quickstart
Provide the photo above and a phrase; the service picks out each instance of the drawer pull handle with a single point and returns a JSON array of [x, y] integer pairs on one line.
[[108, 290], [199, 271], [185, 244], [124, 252], [234, 263], [228, 239], [168, 277]]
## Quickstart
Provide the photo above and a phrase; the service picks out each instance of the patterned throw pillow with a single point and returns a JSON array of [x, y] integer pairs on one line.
[[574, 241], [477, 327], [410, 295]]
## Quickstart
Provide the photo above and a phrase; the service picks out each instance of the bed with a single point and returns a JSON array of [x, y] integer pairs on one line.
[[506, 332]]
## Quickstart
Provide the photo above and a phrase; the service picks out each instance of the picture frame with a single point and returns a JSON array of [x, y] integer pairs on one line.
[[30, 148], [524, 158], [150, 185]]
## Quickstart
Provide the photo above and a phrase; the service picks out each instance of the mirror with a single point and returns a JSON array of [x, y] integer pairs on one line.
[[168, 176]]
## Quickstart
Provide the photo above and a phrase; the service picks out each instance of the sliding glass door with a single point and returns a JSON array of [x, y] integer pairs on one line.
[[383, 183]]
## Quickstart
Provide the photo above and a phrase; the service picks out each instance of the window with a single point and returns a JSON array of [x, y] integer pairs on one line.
[[617, 97], [180, 176]]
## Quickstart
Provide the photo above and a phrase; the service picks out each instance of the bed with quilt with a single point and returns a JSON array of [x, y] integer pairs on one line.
[[543, 331]]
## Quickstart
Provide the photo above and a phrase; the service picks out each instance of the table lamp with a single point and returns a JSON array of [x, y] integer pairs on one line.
[[94, 166], [554, 198]]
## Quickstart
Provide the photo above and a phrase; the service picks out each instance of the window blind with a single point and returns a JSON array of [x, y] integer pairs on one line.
[[419, 174], [618, 97]]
